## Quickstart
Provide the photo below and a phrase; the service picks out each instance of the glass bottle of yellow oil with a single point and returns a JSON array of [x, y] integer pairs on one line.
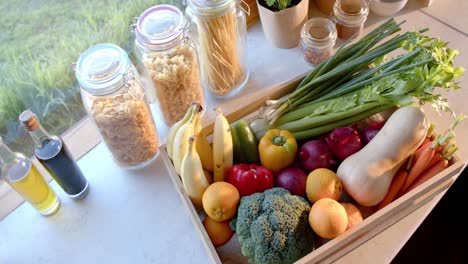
[[21, 174]]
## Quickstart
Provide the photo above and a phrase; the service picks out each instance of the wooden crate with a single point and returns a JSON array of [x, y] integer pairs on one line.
[[351, 239]]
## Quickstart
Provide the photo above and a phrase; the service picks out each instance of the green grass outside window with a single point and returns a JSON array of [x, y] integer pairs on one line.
[[39, 40]]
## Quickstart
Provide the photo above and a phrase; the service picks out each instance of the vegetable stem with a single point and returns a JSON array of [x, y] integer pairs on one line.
[[279, 140], [347, 89], [451, 153], [436, 141], [446, 149], [305, 134], [320, 120]]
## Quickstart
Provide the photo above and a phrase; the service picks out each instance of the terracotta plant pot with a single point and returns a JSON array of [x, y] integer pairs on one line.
[[283, 28]]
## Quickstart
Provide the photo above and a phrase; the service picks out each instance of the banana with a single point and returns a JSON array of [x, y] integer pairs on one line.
[[222, 146], [204, 149], [208, 176], [193, 175], [175, 127], [181, 139]]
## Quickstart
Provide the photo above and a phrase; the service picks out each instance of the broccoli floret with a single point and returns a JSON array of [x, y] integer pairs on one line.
[[273, 227]]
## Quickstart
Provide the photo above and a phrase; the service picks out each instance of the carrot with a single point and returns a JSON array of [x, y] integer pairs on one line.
[[419, 165], [420, 150], [429, 173], [394, 188], [426, 140], [436, 158]]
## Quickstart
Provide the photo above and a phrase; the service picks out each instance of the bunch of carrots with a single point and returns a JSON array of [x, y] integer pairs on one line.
[[432, 157]]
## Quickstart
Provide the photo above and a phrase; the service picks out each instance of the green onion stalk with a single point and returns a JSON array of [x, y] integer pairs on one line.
[[359, 81]]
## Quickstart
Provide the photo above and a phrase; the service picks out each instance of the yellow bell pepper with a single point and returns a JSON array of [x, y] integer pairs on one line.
[[277, 149]]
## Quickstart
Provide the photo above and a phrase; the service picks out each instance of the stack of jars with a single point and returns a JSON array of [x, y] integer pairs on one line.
[[179, 57]]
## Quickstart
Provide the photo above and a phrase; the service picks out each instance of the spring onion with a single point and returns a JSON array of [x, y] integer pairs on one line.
[[359, 81]]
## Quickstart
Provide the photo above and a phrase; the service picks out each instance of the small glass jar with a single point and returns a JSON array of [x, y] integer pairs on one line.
[[350, 17], [170, 64], [318, 37], [220, 30], [114, 98]]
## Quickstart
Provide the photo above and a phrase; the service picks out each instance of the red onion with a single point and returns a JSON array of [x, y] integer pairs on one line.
[[293, 179], [315, 154], [371, 130], [344, 141]]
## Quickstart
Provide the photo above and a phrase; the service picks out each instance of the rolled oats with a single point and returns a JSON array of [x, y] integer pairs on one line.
[[126, 126]]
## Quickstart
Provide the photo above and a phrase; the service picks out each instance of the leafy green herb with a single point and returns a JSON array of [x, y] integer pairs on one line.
[[278, 4]]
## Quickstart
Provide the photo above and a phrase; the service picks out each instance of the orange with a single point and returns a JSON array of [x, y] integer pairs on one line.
[[328, 218], [354, 215], [220, 201], [219, 232], [323, 183]]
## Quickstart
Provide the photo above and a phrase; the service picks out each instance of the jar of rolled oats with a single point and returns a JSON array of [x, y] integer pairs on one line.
[[170, 64], [114, 98]]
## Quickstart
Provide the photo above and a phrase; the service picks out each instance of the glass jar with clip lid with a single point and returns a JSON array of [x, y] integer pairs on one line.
[[169, 62], [114, 98], [220, 30]]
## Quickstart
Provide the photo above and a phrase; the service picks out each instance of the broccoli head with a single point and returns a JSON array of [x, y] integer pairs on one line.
[[273, 227]]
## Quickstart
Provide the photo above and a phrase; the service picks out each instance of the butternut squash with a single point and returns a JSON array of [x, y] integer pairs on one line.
[[366, 175]]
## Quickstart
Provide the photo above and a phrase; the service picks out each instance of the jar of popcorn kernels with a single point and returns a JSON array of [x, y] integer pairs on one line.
[[114, 98]]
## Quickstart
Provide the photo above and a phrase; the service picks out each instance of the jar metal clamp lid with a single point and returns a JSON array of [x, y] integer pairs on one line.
[[210, 7], [160, 27], [103, 69]]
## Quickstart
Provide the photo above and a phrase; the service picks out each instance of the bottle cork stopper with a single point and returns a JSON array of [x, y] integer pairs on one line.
[[29, 120]]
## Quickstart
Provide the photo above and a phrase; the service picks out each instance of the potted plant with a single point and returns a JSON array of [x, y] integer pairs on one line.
[[282, 20]]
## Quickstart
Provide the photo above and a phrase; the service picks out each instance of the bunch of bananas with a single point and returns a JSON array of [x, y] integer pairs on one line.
[[194, 158]]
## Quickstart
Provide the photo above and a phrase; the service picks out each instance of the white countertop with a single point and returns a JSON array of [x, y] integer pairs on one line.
[[137, 216]]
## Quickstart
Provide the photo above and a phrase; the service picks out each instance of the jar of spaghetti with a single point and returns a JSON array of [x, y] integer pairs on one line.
[[220, 29], [169, 62], [318, 36], [115, 100], [350, 16]]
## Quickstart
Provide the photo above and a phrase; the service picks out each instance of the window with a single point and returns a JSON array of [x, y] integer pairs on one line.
[[39, 41]]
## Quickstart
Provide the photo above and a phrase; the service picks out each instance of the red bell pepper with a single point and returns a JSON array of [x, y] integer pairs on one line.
[[250, 178]]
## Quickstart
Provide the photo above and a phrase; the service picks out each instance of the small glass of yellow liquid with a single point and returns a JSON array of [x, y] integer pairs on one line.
[[21, 174]]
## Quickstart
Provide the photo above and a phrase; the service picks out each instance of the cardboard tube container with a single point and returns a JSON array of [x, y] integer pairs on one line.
[[283, 28]]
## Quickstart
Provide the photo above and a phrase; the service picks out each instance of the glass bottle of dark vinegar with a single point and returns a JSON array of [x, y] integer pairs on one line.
[[51, 151]]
